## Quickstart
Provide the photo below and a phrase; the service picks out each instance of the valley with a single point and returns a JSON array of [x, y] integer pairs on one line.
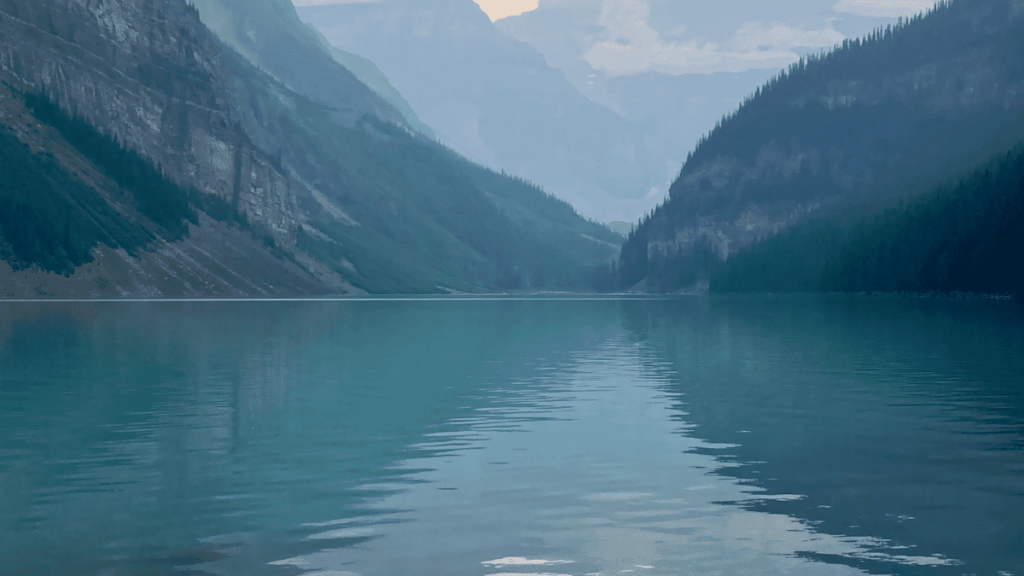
[[226, 148]]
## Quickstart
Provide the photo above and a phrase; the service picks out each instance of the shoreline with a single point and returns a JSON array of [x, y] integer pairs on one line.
[[541, 296]]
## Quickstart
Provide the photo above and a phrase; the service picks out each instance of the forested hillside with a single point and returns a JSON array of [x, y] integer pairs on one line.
[[873, 120], [963, 238], [39, 200], [51, 219]]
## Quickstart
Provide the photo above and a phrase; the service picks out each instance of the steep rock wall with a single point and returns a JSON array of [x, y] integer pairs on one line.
[[148, 72]]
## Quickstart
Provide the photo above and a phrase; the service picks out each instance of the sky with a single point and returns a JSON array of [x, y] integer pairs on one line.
[[620, 37], [498, 9]]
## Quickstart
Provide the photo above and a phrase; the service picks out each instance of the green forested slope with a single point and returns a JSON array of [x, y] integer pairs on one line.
[[427, 215], [966, 238], [52, 218], [48, 218]]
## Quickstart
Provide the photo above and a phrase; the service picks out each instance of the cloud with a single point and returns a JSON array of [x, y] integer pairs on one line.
[[498, 9], [632, 46], [882, 8]]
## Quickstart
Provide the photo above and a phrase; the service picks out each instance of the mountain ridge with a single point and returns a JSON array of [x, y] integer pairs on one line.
[[268, 34], [876, 118]]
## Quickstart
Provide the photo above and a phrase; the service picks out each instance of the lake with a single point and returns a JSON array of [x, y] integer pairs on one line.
[[471, 437]]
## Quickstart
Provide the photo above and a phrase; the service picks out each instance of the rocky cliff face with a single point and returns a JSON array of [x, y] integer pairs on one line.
[[874, 119], [149, 73]]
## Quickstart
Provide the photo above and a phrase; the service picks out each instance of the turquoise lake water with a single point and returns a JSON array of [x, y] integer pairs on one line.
[[473, 437]]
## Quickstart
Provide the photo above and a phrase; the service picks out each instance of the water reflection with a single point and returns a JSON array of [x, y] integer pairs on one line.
[[598, 472], [687, 436], [899, 420]]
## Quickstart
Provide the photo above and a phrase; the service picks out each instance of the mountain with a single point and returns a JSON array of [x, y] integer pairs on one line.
[[673, 68], [875, 119], [269, 34], [368, 73], [496, 100], [143, 157], [670, 111]]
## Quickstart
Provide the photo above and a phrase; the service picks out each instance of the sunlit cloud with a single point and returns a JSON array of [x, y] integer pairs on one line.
[[498, 9], [882, 8], [633, 46]]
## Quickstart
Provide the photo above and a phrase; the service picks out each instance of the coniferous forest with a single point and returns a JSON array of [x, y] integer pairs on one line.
[[963, 238], [49, 218]]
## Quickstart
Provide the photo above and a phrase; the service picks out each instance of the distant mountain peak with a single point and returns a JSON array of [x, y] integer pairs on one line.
[[496, 100]]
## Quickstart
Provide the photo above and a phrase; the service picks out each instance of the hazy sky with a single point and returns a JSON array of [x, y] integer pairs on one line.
[[697, 36], [686, 36]]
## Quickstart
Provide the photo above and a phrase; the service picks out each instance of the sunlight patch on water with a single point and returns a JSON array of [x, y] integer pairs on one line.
[[934, 560], [617, 496], [526, 574], [517, 561], [298, 562], [329, 523], [343, 533]]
